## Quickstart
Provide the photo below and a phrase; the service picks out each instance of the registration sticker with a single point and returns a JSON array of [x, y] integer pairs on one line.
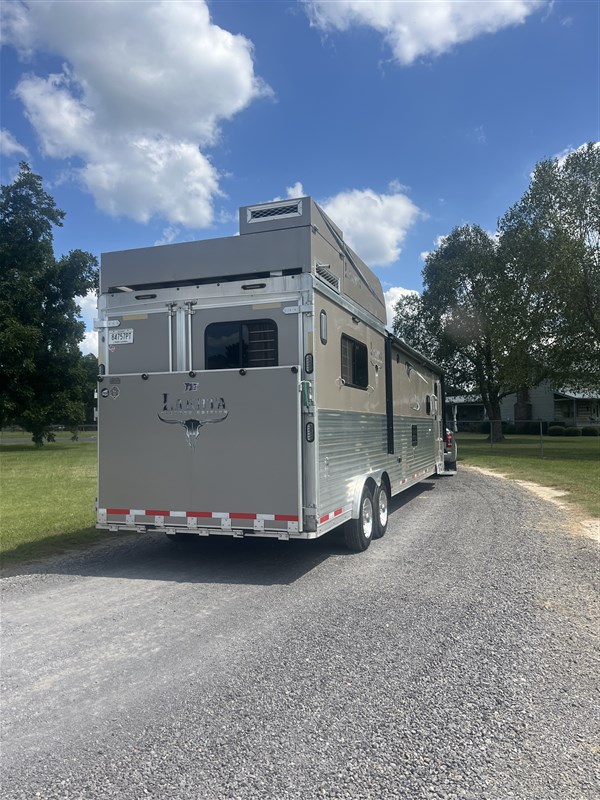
[[120, 336]]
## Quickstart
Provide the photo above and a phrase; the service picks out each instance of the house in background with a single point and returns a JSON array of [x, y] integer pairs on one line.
[[542, 403]]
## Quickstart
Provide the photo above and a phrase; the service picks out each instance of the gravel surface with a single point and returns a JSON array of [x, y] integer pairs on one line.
[[456, 658]]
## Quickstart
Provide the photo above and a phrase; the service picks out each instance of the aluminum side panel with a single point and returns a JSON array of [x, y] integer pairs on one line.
[[201, 459], [353, 445], [350, 444]]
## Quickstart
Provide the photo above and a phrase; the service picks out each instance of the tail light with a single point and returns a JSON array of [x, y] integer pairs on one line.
[[448, 439]]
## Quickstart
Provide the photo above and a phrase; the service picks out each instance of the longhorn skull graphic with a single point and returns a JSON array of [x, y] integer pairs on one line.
[[192, 426]]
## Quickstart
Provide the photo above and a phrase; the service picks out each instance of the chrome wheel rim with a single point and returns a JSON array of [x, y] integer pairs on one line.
[[367, 517], [383, 508]]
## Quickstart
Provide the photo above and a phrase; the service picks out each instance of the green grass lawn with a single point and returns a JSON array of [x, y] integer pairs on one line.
[[46, 499], [569, 463]]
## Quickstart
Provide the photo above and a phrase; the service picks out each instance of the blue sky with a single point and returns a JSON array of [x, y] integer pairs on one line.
[[153, 122]]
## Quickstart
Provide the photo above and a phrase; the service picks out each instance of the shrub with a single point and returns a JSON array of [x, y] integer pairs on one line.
[[572, 431], [556, 430], [590, 430]]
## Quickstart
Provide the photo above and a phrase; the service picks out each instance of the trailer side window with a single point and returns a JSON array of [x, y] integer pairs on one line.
[[355, 363], [231, 345], [428, 404]]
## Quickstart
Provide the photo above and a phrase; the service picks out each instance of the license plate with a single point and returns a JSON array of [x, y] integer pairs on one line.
[[120, 336]]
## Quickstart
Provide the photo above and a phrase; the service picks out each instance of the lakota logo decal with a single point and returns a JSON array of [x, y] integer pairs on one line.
[[192, 413]]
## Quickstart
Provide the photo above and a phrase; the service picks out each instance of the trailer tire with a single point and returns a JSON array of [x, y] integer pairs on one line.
[[359, 532], [450, 465], [381, 503]]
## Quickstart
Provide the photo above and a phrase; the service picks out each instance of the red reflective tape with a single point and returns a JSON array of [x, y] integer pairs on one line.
[[150, 512], [285, 518], [242, 516], [198, 513], [117, 511], [338, 511]]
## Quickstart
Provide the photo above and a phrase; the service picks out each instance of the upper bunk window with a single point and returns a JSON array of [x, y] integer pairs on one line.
[[355, 363], [231, 345]]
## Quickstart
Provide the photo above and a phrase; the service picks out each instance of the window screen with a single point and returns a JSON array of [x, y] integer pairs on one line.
[[231, 345], [355, 363]]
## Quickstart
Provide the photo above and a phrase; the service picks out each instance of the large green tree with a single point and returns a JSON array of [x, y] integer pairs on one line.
[[476, 317], [42, 374], [551, 237]]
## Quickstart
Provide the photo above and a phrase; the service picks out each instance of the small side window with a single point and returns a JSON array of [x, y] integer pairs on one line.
[[428, 404], [415, 436], [355, 363], [323, 327]]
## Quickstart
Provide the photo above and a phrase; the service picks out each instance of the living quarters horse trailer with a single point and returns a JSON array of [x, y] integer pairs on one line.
[[248, 386]]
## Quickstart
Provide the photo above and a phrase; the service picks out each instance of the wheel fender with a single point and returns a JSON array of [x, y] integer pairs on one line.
[[372, 480]]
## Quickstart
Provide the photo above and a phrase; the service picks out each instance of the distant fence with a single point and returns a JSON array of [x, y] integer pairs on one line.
[[538, 430]]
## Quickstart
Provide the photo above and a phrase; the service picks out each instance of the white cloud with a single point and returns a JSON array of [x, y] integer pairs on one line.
[[392, 296], [9, 145], [143, 87], [417, 29], [89, 343], [373, 224], [169, 234], [297, 190]]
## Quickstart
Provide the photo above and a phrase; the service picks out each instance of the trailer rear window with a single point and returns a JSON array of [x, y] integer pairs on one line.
[[355, 363], [231, 345]]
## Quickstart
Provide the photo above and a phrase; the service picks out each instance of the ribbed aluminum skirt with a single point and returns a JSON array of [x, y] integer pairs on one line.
[[352, 445]]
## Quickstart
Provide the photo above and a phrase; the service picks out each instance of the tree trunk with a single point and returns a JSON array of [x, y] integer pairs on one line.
[[492, 407]]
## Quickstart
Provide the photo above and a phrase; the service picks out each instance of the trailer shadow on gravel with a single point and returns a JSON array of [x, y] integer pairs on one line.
[[212, 559]]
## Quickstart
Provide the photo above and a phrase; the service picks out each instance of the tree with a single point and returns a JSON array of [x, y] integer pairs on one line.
[[551, 237], [476, 318], [41, 368]]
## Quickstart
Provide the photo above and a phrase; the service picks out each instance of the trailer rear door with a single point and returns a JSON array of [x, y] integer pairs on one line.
[[217, 450]]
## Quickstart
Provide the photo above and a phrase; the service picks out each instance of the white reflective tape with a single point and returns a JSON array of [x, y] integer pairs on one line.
[[177, 514], [220, 514], [265, 516]]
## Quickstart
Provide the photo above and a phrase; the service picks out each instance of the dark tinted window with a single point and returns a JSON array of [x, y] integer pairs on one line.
[[231, 345], [355, 363]]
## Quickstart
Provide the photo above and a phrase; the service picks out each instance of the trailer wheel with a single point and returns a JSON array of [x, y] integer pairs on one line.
[[359, 532], [381, 501]]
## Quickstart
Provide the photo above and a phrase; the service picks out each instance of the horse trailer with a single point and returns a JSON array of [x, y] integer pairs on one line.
[[248, 386]]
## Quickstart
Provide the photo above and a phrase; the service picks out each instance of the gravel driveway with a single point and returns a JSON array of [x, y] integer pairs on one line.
[[456, 658]]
